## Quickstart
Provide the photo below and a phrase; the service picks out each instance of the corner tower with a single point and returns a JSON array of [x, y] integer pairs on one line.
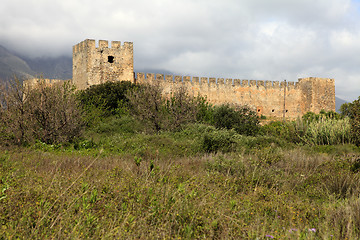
[[317, 94], [95, 65]]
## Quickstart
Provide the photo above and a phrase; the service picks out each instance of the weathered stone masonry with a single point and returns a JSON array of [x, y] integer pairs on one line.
[[266, 97], [95, 65]]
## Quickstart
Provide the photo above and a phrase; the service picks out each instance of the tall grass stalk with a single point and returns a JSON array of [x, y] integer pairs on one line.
[[326, 131]]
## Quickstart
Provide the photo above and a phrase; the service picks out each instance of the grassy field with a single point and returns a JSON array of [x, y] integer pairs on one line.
[[131, 185]]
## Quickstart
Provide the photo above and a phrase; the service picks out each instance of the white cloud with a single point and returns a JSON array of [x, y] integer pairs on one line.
[[257, 39]]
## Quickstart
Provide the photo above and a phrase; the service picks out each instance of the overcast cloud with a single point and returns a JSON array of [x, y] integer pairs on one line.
[[247, 39]]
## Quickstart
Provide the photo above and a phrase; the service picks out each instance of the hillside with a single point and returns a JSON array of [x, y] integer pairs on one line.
[[10, 64], [54, 68], [13, 64], [338, 103]]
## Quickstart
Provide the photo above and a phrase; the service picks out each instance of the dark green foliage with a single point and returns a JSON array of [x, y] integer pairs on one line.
[[355, 167], [242, 119], [310, 116], [109, 97], [205, 110], [118, 124], [289, 131], [345, 109], [352, 110]]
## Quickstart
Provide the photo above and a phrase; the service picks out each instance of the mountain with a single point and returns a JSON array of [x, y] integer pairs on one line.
[[53, 68], [338, 103], [11, 65]]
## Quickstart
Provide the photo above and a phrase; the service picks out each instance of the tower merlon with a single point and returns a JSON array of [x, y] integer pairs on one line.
[[103, 44], [115, 44], [237, 82]]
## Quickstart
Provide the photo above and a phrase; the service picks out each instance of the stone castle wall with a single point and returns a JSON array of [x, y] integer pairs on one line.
[[268, 98], [35, 82], [95, 65]]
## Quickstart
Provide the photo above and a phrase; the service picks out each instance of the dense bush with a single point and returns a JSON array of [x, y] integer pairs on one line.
[[108, 97], [48, 114], [218, 140], [352, 110], [242, 119]]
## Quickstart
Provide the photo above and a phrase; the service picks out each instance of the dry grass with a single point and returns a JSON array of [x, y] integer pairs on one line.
[[221, 196]]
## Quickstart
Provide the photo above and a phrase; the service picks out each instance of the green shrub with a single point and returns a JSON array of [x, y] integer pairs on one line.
[[220, 140], [110, 97], [242, 119], [276, 128], [353, 111], [117, 124], [205, 110]]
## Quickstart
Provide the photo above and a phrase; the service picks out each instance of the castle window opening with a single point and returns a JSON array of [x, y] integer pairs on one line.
[[110, 59], [286, 111]]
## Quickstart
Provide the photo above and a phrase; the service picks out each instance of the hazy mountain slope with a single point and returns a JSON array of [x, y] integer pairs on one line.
[[338, 103], [55, 68], [11, 65]]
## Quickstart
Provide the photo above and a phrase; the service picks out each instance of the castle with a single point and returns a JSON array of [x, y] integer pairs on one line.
[[95, 65]]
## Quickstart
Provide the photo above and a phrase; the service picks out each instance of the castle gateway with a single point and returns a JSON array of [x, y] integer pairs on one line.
[[95, 65]]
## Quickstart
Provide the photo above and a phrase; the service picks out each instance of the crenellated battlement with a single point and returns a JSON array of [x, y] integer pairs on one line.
[[269, 98], [151, 77], [90, 44]]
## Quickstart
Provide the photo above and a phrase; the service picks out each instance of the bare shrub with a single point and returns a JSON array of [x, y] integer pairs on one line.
[[182, 107], [160, 112], [47, 113], [148, 104], [14, 113]]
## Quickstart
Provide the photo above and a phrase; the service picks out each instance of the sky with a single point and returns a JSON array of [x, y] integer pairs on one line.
[[245, 39]]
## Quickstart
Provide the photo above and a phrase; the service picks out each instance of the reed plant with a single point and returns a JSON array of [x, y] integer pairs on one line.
[[326, 131]]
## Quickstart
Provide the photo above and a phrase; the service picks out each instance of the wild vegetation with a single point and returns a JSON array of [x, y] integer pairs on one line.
[[123, 161]]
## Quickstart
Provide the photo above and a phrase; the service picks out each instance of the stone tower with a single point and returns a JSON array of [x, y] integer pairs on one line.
[[95, 65]]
